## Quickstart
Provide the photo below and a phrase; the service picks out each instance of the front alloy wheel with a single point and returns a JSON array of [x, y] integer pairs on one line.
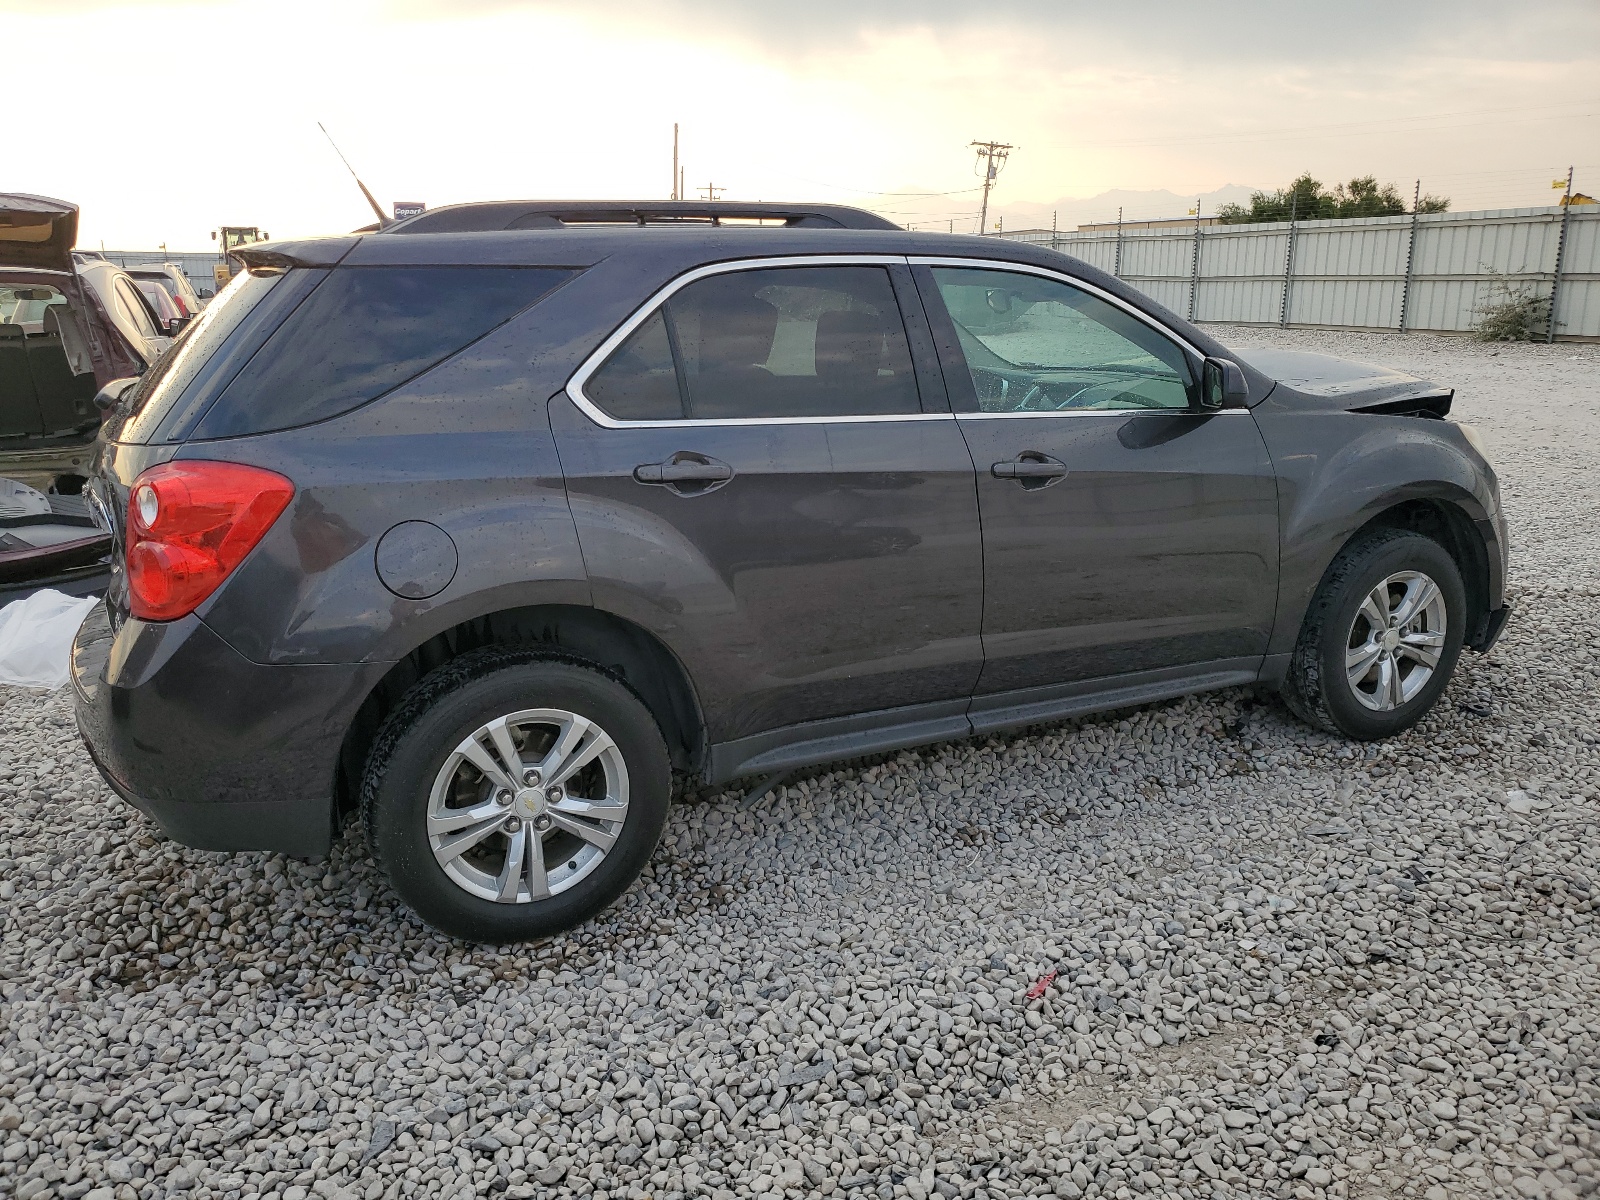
[[1396, 640], [1381, 636]]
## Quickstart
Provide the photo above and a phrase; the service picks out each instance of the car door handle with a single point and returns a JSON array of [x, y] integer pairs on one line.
[[683, 472], [700, 473], [1029, 465]]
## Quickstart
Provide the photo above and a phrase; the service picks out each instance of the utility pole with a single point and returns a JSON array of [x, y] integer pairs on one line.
[[710, 191], [675, 194], [991, 157], [1561, 254]]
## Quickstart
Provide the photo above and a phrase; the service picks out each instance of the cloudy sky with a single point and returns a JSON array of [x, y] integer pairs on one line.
[[165, 120]]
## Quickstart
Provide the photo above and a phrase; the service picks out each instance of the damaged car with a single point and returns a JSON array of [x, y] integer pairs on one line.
[[490, 528], [67, 330]]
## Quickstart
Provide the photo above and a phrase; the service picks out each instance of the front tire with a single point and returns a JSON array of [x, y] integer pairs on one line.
[[512, 796], [1381, 637]]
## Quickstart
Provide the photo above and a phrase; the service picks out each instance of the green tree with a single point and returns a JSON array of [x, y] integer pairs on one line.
[[1307, 200]]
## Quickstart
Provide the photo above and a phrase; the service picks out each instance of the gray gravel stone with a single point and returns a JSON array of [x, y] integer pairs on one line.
[[1192, 950]]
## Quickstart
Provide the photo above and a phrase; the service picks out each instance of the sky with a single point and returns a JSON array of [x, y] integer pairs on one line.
[[165, 121]]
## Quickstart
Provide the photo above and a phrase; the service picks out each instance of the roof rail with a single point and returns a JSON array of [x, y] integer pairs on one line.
[[560, 214]]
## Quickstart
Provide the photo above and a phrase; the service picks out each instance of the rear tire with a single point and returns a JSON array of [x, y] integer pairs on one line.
[[470, 833], [1381, 637]]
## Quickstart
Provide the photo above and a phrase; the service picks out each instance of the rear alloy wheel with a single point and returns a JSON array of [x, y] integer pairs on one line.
[[1380, 638], [511, 797], [528, 805]]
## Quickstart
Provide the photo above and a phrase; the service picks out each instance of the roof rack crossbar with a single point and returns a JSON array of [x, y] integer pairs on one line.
[[557, 214]]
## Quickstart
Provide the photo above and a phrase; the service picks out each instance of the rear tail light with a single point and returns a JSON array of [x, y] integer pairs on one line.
[[189, 525]]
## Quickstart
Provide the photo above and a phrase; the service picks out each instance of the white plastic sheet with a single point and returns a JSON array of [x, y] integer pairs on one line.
[[36, 638]]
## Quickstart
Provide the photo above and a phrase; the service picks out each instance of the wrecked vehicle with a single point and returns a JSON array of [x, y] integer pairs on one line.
[[489, 525], [67, 329], [49, 542]]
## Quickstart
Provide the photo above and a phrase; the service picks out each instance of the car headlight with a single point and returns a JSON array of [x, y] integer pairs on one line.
[[1474, 439]]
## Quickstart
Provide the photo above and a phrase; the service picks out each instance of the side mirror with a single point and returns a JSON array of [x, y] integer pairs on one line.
[[175, 326], [110, 396], [998, 299], [1223, 385]]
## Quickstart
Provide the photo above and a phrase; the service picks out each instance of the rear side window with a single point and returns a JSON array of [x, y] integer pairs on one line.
[[365, 331], [773, 343], [161, 386], [639, 381]]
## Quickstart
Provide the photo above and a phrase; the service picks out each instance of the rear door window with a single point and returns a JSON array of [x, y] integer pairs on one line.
[[365, 331], [774, 343]]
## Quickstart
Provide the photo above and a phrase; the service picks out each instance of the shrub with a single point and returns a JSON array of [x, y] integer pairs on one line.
[[1511, 312]]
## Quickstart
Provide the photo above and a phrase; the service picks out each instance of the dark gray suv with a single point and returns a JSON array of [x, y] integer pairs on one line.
[[494, 524]]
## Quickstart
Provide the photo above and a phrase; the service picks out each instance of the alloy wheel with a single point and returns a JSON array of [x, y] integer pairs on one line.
[[528, 805], [1396, 640]]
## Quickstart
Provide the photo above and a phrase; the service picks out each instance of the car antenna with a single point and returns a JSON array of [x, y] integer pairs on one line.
[[382, 220]]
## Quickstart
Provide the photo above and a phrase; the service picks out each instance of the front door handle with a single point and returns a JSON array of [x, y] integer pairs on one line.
[[1031, 469], [685, 467]]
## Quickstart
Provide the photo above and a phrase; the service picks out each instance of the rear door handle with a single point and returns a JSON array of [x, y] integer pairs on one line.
[[685, 467], [1028, 467]]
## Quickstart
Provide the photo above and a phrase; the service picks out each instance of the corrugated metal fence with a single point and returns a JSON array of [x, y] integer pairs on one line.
[[1429, 272]]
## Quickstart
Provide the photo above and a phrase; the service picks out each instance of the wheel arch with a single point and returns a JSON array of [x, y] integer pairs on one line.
[[1448, 515], [604, 639]]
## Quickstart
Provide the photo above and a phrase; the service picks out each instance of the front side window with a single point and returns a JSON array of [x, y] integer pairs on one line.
[[773, 343], [1040, 345]]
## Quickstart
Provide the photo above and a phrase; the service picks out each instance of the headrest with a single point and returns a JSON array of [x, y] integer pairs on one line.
[[12, 331], [849, 345], [737, 327], [59, 319]]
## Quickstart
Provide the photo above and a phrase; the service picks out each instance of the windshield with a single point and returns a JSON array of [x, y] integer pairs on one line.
[[26, 306], [159, 300]]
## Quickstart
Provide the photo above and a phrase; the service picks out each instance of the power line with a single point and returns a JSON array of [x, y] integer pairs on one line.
[[1348, 127]]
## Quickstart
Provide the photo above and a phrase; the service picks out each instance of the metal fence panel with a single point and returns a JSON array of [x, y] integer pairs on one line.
[[1355, 273], [1578, 308]]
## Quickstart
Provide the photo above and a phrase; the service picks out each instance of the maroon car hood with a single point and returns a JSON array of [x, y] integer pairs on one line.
[[37, 232]]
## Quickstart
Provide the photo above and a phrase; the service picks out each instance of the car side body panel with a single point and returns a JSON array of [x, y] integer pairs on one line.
[[465, 448], [1338, 470]]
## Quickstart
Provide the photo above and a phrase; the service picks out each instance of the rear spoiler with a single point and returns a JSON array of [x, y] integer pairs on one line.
[[283, 256]]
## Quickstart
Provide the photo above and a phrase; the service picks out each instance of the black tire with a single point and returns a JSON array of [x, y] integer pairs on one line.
[[419, 737], [1317, 689]]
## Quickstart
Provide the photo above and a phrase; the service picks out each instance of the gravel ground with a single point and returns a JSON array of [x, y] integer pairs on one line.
[[1192, 950]]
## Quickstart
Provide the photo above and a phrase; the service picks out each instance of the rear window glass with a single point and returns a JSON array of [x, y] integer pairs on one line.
[[173, 372], [639, 381], [365, 331]]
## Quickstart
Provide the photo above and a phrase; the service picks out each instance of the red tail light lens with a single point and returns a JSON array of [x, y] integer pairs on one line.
[[189, 525]]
